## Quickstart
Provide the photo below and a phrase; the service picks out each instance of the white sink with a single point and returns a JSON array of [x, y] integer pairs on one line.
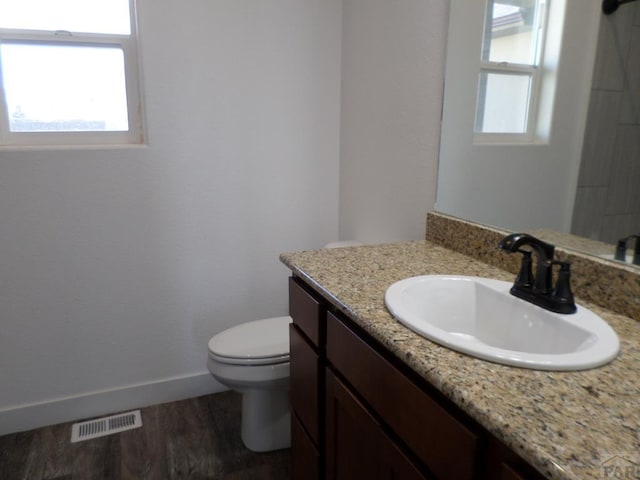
[[479, 317]]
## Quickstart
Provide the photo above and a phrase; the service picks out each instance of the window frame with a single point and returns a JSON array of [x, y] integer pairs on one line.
[[533, 70], [129, 45]]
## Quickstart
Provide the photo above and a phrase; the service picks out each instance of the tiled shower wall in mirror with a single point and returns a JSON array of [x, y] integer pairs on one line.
[[607, 203]]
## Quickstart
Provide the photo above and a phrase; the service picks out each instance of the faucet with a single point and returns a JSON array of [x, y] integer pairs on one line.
[[621, 249], [539, 289]]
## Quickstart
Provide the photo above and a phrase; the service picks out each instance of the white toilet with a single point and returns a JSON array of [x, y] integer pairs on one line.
[[253, 359]]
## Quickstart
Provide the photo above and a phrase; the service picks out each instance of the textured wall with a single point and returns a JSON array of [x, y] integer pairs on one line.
[[392, 80], [117, 265]]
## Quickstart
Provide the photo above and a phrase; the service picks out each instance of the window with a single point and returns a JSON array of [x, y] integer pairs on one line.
[[69, 73], [509, 76]]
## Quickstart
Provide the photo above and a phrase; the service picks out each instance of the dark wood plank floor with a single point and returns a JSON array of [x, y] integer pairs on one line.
[[194, 439]]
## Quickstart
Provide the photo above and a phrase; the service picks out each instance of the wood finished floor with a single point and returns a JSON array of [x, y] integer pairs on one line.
[[194, 439]]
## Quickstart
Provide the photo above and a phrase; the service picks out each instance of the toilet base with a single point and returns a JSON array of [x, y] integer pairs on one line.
[[266, 419]]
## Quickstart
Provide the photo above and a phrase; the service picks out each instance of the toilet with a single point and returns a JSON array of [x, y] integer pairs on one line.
[[253, 358]]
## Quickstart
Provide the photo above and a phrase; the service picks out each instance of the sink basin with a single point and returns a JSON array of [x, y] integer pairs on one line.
[[479, 317]]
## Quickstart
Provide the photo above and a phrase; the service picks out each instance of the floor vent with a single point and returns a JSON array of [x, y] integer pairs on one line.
[[105, 426]]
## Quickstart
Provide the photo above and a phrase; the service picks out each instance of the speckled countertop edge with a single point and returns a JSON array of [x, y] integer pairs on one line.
[[565, 424]]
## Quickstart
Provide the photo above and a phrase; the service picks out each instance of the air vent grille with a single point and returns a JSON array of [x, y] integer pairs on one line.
[[105, 426]]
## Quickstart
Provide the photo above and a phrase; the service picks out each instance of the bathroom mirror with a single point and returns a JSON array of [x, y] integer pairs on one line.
[[574, 181]]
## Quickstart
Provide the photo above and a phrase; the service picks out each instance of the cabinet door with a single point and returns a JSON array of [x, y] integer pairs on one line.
[[304, 375], [395, 465], [438, 438], [356, 446], [305, 460], [351, 437]]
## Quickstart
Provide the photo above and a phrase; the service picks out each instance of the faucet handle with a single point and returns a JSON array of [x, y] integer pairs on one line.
[[562, 295], [525, 275], [513, 242], [544, 251], [621, 250], [636, 250]]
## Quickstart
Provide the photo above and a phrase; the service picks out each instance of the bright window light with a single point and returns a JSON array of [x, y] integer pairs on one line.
[[506, 103], [90, 16], [509, 76], [69, 73], [512, 37], [64, 88]]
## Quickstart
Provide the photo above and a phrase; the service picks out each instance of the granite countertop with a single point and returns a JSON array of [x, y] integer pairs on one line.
[[568, 425], [574, 242]]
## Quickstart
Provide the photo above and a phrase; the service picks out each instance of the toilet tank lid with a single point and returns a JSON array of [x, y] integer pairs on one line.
[[264, 338]]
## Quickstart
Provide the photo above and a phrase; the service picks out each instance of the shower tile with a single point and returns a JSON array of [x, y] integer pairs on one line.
[[588, 211], [613, 46], [635, 223], [599, 138], [630, 109], [615, 227], [622, 194]]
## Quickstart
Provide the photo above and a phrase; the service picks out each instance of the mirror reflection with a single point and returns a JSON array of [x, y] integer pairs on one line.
[[573, 181]]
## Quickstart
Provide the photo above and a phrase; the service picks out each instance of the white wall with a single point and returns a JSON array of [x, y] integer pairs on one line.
[[392, 80], [116, 266]]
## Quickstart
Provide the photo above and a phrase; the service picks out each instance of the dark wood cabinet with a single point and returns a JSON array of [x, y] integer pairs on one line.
[[307, 364], [441, 441], [507, 472], [501, 463], [356, 446], [306, 312], [360, 413], [395, 465], [305, 458], [305, 374]]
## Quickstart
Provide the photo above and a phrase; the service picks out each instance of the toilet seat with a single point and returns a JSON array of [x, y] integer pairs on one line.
[[250, 361], [261, 342]]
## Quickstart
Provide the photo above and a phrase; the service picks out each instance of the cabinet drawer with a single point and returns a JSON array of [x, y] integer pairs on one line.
[[304, 377], [446, 446], [305, 460], [306, 311]]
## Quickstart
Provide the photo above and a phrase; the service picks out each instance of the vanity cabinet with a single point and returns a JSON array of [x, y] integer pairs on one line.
[[307, 364], [358, 412], [356, 445]]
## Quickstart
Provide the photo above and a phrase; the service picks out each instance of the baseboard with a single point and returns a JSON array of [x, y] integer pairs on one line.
[[94, 404]]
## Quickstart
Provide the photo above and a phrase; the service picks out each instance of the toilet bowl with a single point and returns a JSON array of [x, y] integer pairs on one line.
[[253, 359]]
